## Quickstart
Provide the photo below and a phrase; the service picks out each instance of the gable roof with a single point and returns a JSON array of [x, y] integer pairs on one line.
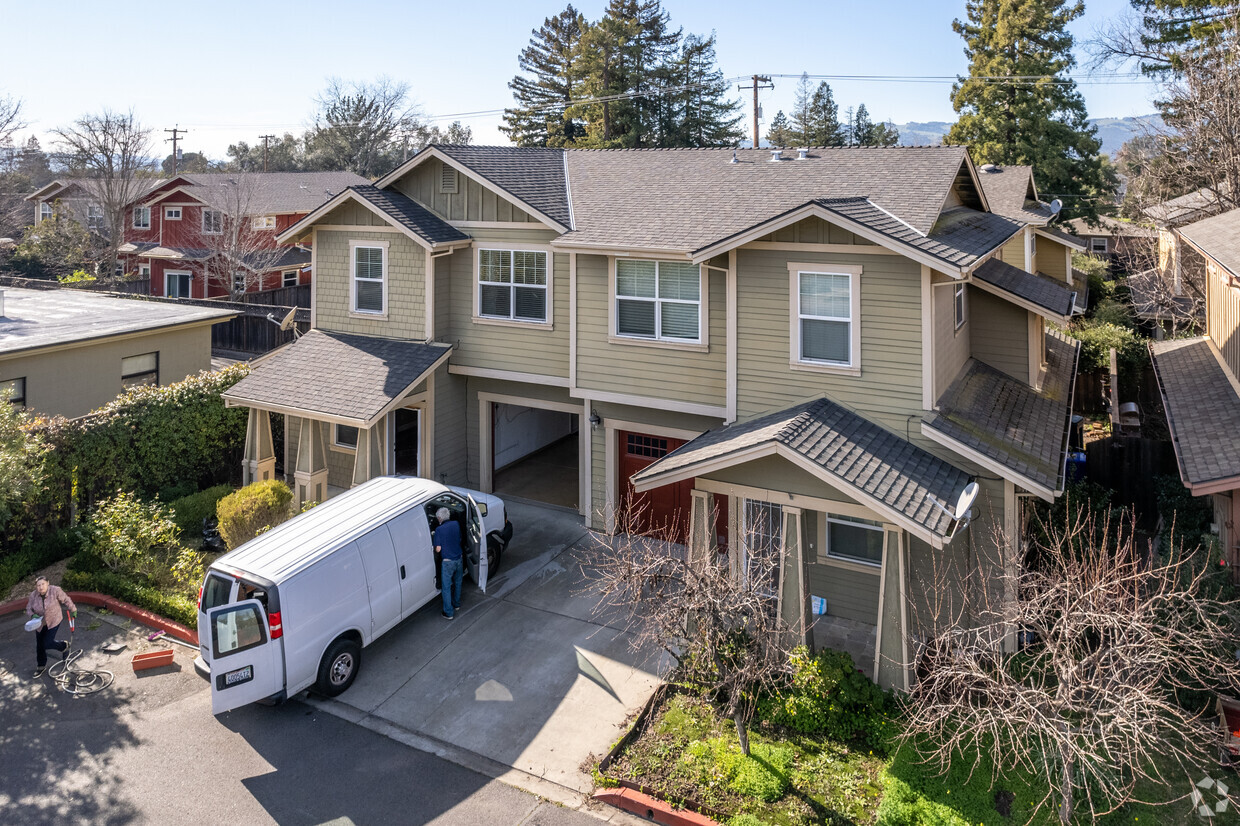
[[269, 192], [1217, 237], [1203, 409], [401, 211], [1011, 192], [873, 465], [1106, 225], [1190, 206]]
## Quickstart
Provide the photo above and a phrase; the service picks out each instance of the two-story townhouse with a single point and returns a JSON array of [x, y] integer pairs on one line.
[[820, 350], [1198, 380], [181, 226], [76, 201]]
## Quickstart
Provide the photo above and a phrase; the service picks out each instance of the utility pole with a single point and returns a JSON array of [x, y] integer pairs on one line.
[[758, 80], [176, 135], [265, 139]]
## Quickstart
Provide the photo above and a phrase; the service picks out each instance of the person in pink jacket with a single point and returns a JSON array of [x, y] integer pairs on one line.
[[46, 601]]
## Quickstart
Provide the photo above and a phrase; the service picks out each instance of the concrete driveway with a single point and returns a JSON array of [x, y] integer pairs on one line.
[[525, 684]]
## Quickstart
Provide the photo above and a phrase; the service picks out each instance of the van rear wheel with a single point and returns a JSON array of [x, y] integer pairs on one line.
[[339, 667]]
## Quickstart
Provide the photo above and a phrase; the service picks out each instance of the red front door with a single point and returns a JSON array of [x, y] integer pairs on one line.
[[664, 511]]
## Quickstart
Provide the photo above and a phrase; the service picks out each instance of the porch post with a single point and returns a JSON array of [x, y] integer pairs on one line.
[[701, 528], [368, 463], [792, 597], [310, 475], [891, 659], [259, 464]]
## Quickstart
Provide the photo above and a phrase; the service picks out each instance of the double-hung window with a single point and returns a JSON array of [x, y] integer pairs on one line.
[[212, 222], [16, 390], [958, 304], [826, 316], [289, 278], [1098, 245], [855, 540], [369, 284], [512, 285], [659, 300], [94, 217], [142, 217], [45, 211]]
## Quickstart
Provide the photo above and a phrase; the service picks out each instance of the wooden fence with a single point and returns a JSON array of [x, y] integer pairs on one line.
[[1128, 465], [296, 296]]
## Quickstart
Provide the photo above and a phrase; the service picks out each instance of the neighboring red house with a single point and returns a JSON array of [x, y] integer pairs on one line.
[[181, 232]]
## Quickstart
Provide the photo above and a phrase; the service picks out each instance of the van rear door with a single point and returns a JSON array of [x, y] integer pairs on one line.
[[246, 664]]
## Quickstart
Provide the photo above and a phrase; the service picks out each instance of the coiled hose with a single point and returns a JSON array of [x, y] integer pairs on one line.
[[79, 681]]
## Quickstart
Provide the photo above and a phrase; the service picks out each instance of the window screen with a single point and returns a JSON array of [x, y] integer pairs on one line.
[[860, 540], [660, 300], [512, 284], [346, 436], [368, 279], [140, 371], [825, 316], [16, 390]]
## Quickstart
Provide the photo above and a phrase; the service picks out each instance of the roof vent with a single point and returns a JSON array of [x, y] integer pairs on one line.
[[777, 155], [734, 160], [989, 167], [802, 154], [447, 180]]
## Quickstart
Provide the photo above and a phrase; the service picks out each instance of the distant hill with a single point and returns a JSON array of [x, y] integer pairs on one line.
[[1113, 132]]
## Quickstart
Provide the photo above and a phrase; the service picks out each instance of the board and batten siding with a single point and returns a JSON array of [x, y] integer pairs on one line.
[[999, 334], [641, 369], [406, 286], [513, 346], [353, 214], [471, 202], [889, 387], [1223, 315], [951, 346], [815, 231]]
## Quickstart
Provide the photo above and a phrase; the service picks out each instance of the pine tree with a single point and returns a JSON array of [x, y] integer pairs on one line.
[[823, 126], [801, 114], [862, 127], [1043, 123], [702, 113], [884, 134], [1172, 28], [550, 83], [780, 132]]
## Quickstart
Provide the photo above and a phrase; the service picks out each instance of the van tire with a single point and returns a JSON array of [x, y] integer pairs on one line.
[[339, 667], [495, 550]]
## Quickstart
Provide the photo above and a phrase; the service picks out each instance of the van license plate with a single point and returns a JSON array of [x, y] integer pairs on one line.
[[232, 678]]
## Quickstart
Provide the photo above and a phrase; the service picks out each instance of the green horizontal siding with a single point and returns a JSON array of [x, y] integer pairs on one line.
[[452, 447], [951, 346], [849, 594], [406, 288], [999, 334]]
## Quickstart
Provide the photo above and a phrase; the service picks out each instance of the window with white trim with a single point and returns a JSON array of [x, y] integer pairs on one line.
[[177, 284], [855, 540], [212, 222], [762, 544], [172, 213], [345, 436], [140, 371], [959, 305], [16, 390], [142, 217], [289, 278], [238, 281], [826, 315], [369, 279], [144, 271], [512, 285], [1098, 245], [94, 217], [263, 222], [659, 300], [45, 211]]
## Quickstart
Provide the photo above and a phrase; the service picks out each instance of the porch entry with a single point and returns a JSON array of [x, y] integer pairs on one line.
[[661, 510], [406, 432], [535, 453]]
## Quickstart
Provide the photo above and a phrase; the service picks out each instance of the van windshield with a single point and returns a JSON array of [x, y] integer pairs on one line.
[[215, 592]]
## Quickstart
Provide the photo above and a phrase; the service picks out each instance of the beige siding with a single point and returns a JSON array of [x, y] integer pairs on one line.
[[406, 286], [647, 370], [76, 380], [815, 231], [471, 202], [452, 448], [443, 294], [352, 214], [1013, 252], [999, 335], [889, 387], [951, 346], [523, 348], [1052, 259], [1223, 315]]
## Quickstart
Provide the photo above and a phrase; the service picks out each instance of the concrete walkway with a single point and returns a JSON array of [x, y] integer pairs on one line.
[[525, 684]]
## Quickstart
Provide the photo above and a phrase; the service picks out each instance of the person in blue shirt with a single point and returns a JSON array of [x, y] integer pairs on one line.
[[448, 545]]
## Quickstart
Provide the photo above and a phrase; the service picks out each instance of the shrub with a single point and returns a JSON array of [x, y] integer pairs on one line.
[[36, 555], [745, 819], [763, 774], [1115, 313], [132, 536], [253, 509], [87, 573], [828, 696], [189, 511], [1098, 337]]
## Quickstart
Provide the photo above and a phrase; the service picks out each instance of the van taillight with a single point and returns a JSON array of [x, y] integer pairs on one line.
[[273, 620], [200, 599]]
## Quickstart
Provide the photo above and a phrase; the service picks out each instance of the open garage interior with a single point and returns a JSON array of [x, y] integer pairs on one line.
[[535, 454]]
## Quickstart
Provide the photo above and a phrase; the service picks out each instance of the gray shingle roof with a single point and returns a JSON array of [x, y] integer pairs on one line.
[[410, 214], [1191, 207], [855, 454], [1052, 296], [1065, 238], [533, 174], [271, 192], [333, 374], [1218, 237], [1111, 227], [1007, 421], [1203, 410], [1009, 192]]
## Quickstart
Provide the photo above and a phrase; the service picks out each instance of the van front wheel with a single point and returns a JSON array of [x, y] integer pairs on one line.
[[339, 667]]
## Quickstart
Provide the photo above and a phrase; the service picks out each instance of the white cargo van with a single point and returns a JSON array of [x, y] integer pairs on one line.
[[294, 607]]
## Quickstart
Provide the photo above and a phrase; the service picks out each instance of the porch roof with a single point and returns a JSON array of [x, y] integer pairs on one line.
[[878, 468], [1049, 298], [336, 377], [1019, 432], [1203, 409]]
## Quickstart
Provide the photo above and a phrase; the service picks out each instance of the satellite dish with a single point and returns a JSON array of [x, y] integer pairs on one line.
[[1056, 205], [288, 322], [967, 497]]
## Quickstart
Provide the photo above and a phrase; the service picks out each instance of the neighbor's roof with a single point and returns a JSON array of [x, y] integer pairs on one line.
[[1054, 298], [338, 377], [1189, 207], [35, 319], [268, 192], [56, 188], [411, 215], [1110, 226], [1203, 409], [1153, 298], [849, 452], [1067, 239], [1217, 237], [1008, 422], [1010, 192]]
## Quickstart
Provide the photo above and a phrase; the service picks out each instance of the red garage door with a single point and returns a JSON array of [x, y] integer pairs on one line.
[[656, 511]]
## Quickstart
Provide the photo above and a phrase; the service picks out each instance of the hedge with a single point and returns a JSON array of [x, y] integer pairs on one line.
[[86, 573], [189, 511]]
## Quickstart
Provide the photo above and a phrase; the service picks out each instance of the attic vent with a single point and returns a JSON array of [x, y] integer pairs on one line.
[[447, 180], [776, 156]]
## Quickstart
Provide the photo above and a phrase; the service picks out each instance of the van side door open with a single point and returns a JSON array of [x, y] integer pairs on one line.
[[473, 523], [246, 664]]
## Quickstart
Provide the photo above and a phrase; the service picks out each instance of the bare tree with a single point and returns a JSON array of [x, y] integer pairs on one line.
[[10, 117], [1091, 705], [719, 623], [241, 253], [362, 127], [109, 152]]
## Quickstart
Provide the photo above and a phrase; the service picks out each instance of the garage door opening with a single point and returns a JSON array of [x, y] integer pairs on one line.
[[535, 454]]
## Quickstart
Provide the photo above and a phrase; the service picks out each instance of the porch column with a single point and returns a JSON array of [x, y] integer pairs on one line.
[[370, 444], [310, 474], [259, 464], [891, 660], [792, 596], [701, 528]]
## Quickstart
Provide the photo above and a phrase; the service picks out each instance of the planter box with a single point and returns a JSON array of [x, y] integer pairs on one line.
[[152, 659]]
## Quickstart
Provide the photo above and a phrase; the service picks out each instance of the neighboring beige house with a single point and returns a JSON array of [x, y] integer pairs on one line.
[[64, 352], [1198, 381], [821, 350], [1128, 247]]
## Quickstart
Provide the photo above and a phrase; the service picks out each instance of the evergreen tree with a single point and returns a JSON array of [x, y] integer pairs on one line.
[[1170, 28], [884, 134], [1043, 123], [284, 154], [865, 132], [780, 131], [703, 115], [823, 127], [551, 81], [859, 126], [801, 114]]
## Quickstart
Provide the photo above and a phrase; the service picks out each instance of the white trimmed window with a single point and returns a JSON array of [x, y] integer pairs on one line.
[[368, 286], [94, 217], [825, 316], [345, 436], [1098, 245], [238, 281], [289, 278], [45, 211], [959, 305], [177, 284], [264, 222], [212, 222], [16, 390], [512, 285], [144, 271], [172, 213], [659, 300], [140, 371], [141, 217], [853, 539]]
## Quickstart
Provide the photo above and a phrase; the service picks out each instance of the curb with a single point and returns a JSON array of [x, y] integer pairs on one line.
[[650, 808], [124, 609]]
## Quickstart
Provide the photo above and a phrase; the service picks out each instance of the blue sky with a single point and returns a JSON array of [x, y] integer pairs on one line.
[[240, 70]]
